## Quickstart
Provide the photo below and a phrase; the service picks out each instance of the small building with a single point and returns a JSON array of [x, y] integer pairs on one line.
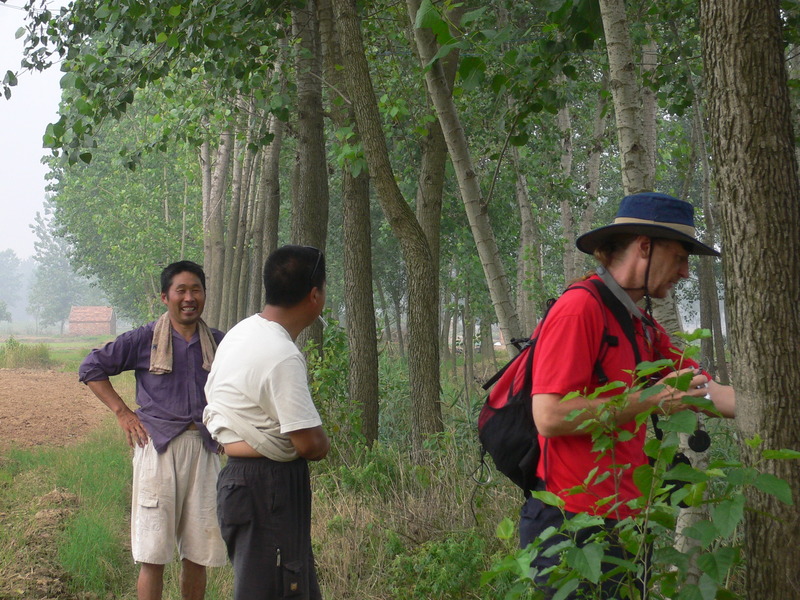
[[92, 320]]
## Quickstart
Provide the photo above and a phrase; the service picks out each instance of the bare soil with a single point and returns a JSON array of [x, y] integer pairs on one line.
[[42, 408], [45, 408]]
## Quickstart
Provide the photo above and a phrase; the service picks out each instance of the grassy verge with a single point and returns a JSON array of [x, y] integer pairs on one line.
[[64, 355]]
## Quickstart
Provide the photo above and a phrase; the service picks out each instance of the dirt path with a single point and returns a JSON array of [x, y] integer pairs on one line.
[[45, 408]]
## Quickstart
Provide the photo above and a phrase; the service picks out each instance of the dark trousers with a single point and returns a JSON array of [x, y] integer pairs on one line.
[[536, 516], [264, 512]]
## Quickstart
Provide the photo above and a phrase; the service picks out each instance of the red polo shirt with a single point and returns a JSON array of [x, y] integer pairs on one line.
[[570, 341]]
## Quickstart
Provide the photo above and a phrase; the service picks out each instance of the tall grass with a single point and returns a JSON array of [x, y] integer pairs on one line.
[[15, 355], [65, 355]]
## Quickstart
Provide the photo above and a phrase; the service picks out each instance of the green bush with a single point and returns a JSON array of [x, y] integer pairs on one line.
[[447, 568]]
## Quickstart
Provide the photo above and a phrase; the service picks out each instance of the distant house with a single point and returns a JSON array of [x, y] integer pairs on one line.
[[92, 320]]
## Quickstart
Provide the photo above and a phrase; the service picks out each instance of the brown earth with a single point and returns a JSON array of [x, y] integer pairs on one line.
[[41, 408], [45, 408]]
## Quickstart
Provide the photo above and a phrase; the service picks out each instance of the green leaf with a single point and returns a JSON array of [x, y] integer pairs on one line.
[[471, 70], [86, 157], [570, 72], [429, 18], [702, 531], [684, 421], [754, 442], [708, 587], [586, 560], [683, 472], [68, 81], [505, 529], [609, 387], [584, 40], [727, 515], [473, 15], [161, 38], [548, 498], [785, 454], [10, 79], [717, 564], [775, 486], [175, 10], [643, 479], [566, 589], [697, 334], [19, 33], [520, 139]]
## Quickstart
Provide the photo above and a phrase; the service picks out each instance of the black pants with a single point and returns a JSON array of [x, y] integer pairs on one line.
[[536, 516], [264, 512]]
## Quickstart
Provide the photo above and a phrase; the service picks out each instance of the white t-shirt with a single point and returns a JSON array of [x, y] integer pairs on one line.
[[257, 389]]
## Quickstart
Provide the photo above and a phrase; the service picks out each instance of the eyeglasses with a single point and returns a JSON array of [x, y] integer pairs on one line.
[[316, 266]]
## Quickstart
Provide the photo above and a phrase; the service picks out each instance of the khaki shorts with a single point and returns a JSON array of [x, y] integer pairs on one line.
[[174, 502]]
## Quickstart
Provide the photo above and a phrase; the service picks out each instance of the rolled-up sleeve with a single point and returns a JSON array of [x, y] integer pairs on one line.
[[111, 359]]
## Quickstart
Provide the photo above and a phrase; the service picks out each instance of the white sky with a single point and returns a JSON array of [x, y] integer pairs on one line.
[[23, 119]]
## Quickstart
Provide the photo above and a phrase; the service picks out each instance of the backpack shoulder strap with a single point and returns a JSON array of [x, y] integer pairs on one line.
[[608, 340], [620, 314], [626, 322]]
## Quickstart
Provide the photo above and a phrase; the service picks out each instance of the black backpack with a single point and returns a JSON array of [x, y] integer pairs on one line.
[[505, 424]]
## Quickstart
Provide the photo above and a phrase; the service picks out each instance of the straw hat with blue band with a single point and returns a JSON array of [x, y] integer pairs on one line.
[[654, 215]]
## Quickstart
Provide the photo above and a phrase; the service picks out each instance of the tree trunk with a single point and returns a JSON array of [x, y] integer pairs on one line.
[[529, 273], [310, 197], [244, 244], [226, 316], [214, 226], [361, 334], [398, 323], [626, 92], [477, 211], [454, 337], [649, 109], [595, 154], [468, 320], [423, 363], [713, 348], [387, 321], [753, 146], [488, 358], [567, 220], [444, 336], [310, 175]]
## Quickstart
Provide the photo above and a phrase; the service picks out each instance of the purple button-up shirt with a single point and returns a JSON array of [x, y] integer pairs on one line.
[[168, 403]]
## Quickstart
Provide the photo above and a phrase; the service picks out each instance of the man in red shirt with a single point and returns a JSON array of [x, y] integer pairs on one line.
[[643, 254]]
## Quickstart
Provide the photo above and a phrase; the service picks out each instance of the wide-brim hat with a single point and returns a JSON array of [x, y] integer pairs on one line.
[[651, 214]]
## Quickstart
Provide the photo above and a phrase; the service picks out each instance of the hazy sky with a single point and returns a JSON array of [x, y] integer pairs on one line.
[[23, 119]]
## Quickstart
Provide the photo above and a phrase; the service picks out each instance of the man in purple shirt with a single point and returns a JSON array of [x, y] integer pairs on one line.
[[175, 461]]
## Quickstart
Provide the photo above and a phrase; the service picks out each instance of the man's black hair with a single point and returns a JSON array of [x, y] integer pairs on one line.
[[169, 272], [291, 272]]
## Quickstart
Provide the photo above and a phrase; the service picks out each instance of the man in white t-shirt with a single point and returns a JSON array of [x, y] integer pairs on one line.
[[260, 409]]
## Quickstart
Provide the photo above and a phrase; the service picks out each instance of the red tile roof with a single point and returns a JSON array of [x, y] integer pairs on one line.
[[91, 314]]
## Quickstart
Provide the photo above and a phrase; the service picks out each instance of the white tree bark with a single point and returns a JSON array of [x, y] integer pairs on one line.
[[477, 212], [626, 92]]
